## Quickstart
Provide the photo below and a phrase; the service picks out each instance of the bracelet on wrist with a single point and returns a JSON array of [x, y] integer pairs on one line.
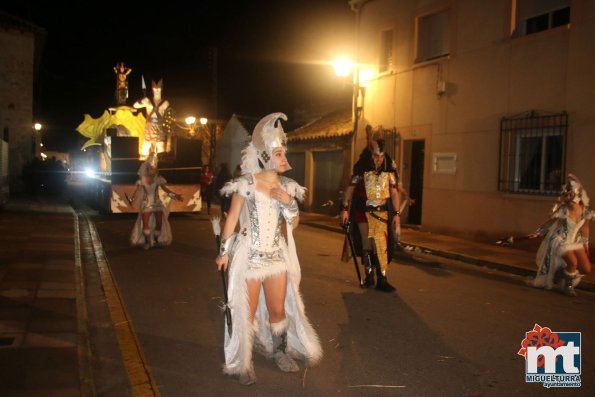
[[225, 245]]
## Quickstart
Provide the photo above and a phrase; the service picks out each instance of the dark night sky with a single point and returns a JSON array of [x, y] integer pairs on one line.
[[271, 55]]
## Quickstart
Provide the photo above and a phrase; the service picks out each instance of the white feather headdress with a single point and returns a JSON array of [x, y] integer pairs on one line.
[[267, 136]]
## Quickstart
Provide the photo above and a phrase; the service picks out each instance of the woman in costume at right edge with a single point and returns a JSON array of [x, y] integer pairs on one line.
[[563, 256], [264, 271]]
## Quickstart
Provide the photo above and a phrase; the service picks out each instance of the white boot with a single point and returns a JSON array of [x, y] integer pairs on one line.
[[249, 377], [147, 233], [569, 281], [282, 359]]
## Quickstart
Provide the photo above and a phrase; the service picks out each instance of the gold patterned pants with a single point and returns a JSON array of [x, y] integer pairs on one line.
[[378, 231]]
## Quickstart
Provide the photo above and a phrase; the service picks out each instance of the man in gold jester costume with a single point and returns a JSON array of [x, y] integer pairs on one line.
[[372, 195]]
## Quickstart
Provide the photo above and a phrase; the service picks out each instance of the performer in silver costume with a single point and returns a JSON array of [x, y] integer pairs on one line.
[[264, 271], [154, 136], [563, 256], [152, 224]]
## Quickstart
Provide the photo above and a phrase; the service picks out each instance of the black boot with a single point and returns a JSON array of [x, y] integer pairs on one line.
[[381, 283], [368, 270]]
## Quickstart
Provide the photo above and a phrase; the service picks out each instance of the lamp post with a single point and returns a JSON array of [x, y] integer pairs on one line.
[[37, 144], [202, 125], [345, 68], [212, 139]]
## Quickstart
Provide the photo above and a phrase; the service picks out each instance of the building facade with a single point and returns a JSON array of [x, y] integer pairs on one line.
[[319, 153], [492, 101], [20, 44]]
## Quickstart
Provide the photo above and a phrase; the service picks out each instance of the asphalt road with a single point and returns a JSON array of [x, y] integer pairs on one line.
[[450, 330]]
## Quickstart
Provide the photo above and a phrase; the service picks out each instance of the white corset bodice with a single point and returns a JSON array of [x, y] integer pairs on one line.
[[268, 222], [573, 229]]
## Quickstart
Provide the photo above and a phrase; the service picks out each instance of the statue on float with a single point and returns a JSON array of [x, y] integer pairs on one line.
[[155, 135]]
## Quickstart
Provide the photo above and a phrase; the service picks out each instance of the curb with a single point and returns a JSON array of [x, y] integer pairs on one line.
[[584, 285]]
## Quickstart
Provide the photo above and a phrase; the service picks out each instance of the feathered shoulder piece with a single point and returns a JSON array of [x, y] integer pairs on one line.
[[293, 188], [250, 160], [239, 185]]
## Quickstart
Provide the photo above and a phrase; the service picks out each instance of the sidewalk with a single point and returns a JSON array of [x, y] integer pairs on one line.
[[39, 327], [505, 259]]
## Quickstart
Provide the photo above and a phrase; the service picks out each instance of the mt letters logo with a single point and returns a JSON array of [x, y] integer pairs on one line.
[[552, 358]]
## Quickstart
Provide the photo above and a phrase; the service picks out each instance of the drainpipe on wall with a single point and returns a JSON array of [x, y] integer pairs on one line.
[[356, 6]]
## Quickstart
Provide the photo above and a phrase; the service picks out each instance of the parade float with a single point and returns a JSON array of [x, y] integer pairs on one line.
[[121, 139]]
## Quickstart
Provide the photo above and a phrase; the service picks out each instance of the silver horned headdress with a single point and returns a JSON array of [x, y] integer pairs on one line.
[[377, 143], [575, 188], [151, 161], [268, 135]]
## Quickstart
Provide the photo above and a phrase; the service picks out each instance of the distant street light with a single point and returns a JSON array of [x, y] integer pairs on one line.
[[208, 133], [37, 144], [190, 121]]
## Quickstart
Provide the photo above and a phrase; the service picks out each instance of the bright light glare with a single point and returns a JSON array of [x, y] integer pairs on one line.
[[203, 120], [89, 173], [190, 120], [365, 76], [37, 126], [343, 67]]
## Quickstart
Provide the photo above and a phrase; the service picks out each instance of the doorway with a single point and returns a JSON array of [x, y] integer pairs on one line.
[[413, 173], [328, 174]]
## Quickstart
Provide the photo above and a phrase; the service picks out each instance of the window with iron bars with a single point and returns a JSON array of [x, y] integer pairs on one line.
[[532, 153]]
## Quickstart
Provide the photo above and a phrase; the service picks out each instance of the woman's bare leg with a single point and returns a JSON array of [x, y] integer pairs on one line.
[[253, 290], [275, 289], [146, 221], [158, 220], [583, 262], [571, 261]]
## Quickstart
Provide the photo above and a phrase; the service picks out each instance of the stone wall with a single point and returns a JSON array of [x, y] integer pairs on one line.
[[16, 99]]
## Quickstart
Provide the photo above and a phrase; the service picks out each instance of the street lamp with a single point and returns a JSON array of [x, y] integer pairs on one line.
[[343, 67], [37, 144], [213, 139], [190, 122], [202, 125]]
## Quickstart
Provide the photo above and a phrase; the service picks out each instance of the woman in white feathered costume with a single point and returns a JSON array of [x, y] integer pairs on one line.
[[264, 271], [152, 225], [563, 256]]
